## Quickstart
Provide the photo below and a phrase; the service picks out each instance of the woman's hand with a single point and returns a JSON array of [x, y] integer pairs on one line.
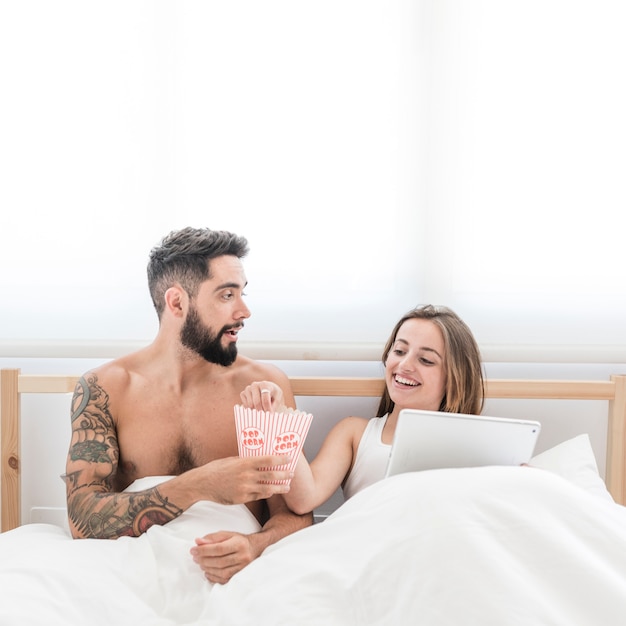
[[263, 396]]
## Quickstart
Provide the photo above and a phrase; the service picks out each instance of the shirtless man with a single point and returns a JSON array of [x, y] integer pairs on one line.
[[167, 410]]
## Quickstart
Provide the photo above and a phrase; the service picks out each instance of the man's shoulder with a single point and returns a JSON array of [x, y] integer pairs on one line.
[[111, 374], [252, 370]]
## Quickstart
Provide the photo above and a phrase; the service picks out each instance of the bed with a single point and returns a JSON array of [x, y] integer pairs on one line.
[[544, 544]]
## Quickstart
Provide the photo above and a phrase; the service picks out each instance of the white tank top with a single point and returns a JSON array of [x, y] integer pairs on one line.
[[371, 458]]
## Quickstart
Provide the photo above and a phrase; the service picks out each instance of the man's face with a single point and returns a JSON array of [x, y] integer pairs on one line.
[[219, 299]]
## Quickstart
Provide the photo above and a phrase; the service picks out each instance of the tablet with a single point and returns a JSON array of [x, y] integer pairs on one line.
[[433, 440]]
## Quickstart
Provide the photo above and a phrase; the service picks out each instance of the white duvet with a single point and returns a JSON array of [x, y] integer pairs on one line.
[[484, 546]]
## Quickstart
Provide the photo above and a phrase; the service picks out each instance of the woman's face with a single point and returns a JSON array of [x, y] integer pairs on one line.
[[415, 369]]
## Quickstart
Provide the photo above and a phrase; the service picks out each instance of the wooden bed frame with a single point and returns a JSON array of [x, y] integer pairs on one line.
[[13, 384]]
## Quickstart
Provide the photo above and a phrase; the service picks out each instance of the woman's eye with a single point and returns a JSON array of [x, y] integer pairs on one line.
[[427, 361]]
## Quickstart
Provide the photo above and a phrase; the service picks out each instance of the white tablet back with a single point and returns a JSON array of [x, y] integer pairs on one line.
[[433, 440]]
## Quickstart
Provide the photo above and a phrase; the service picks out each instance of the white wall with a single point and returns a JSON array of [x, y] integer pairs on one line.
[[377, 154], [291, 123], [525, 169]]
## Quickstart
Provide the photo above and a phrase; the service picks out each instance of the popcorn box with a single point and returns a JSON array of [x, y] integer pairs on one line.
[[267, 432]]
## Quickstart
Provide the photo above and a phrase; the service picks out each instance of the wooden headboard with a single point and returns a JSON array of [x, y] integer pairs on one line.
[[13, 384]]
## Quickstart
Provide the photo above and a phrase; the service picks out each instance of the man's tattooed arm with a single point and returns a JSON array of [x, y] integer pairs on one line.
[[94, 509], [113, 515]]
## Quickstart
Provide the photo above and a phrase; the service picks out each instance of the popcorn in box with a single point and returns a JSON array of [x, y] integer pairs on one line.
[[267, 432]]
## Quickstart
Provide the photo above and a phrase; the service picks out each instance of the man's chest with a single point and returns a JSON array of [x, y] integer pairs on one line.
[[170, 438]]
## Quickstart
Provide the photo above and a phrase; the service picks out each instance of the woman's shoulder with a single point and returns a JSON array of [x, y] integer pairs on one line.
[[352, 425]]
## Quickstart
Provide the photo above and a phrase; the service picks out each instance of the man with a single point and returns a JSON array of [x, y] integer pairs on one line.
[[167, 410]]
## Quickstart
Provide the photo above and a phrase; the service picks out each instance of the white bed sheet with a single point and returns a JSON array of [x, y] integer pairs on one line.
[[484, 546], [48, 578]]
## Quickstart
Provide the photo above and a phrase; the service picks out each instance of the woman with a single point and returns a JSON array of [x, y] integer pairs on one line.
[[432, 362]]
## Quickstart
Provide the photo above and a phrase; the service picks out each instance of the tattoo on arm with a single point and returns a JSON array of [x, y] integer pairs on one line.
[[113, 515], [94, 509]]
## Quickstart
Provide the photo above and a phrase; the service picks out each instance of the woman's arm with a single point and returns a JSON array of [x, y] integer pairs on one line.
[[312, 484]]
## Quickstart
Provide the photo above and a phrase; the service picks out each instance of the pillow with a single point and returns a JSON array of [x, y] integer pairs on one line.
[[574, 460]]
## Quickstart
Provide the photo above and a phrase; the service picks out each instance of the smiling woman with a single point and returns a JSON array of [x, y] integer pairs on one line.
[[431, 362]]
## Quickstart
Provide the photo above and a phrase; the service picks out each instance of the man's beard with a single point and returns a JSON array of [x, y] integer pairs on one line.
[[197, 337]]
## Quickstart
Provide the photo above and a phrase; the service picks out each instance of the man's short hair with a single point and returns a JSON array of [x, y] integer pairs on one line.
[[184, 257]]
